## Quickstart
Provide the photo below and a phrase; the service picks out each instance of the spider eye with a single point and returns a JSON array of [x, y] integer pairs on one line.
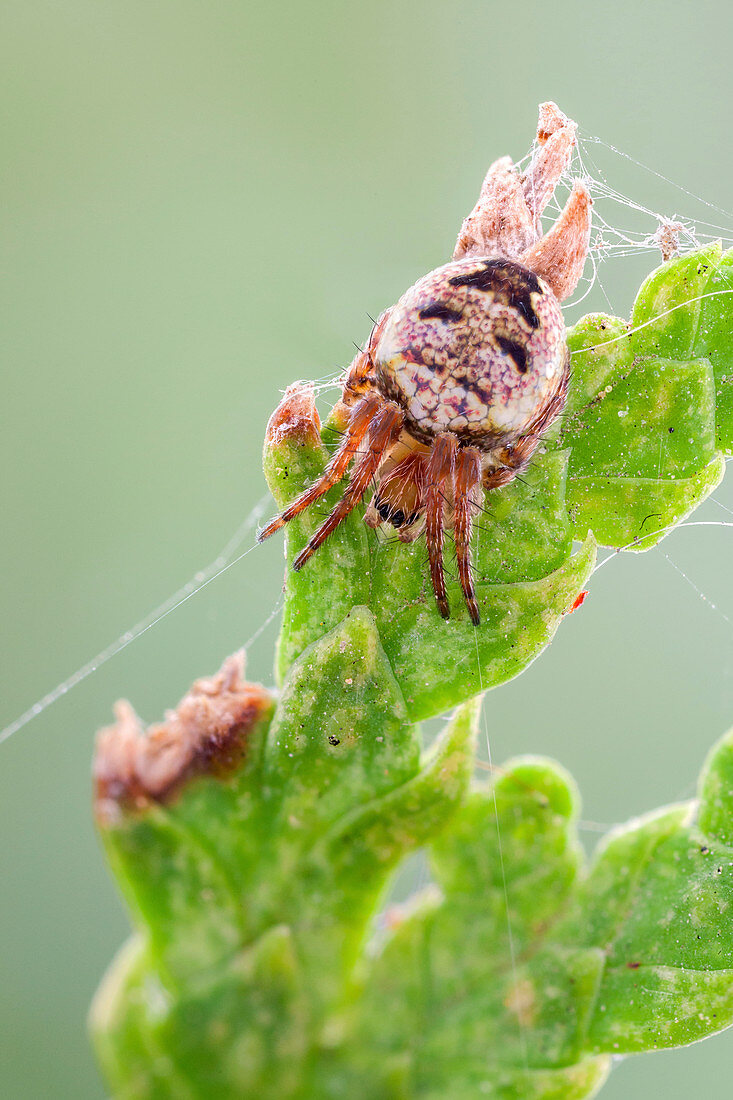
[[396, 516], [441, 312]]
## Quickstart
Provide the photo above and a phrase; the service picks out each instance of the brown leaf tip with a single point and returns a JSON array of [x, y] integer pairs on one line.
[[296, 419], [207, 734]]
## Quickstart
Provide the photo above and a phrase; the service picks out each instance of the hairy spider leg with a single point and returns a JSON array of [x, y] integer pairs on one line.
[[359, 378], [467, 487], [439, 473], [385, 429], [360, 375], [360, 418]]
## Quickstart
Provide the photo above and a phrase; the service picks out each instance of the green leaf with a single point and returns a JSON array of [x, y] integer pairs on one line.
[[471, 983], [665, 409], [303, 839], [637, 513], [715, 340], [255, 838], [657, 901], [527, 971], [666, 315], [457, 659], [337, 578]]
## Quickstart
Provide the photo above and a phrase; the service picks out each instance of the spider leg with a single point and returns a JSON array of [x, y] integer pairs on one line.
[[360, 375], [559, 257], [467, 486], [440, 467], [360, 418], [385, 428]]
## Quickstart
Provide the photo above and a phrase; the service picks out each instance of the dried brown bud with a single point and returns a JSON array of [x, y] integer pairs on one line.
[[667, 237], [506, 219], [206, 735], [296, 419]]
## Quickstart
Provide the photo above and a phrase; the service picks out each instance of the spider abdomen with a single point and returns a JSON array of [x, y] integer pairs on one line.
[[477, 348]]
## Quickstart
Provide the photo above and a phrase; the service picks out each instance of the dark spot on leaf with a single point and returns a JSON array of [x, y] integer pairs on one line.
[[704, 849], [333, 740], [633, 965]]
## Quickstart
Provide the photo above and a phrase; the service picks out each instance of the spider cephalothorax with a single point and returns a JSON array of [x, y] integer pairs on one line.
[[462, 377]]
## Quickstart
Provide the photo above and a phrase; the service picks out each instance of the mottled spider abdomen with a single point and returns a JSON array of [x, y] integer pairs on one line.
[[477, 348]]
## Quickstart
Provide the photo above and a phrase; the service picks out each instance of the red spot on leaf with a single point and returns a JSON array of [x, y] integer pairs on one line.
[[578, 601]]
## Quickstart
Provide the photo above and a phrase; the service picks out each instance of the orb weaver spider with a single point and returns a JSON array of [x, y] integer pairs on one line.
[[461, 378]]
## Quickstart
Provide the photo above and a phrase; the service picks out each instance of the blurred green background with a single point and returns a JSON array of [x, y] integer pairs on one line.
[[201, 202]]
